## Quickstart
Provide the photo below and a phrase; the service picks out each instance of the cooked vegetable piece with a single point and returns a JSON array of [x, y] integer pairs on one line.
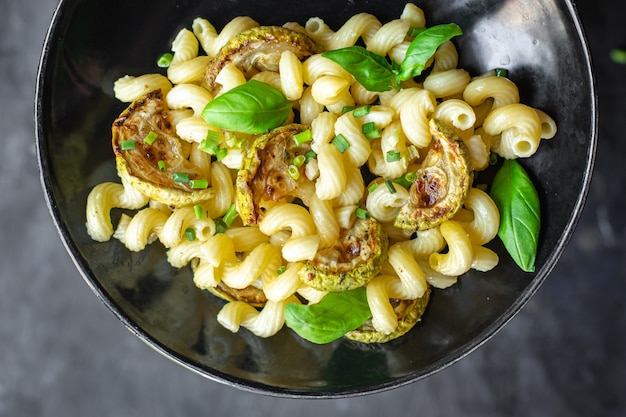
[[265, 174], [251, 294], [409, 313], [352, 262], [155, 168], [259, 49], [442, 181]]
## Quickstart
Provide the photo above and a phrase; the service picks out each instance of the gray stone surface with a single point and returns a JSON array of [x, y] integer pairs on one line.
[[62, 353]]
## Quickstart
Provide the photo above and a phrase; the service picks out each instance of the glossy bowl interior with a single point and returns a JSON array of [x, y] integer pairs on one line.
[[92, 43]]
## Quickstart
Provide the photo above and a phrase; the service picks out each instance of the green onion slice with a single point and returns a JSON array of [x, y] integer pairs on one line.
[[501, 72], [299, 160], [370, 130], [199, 211], [199, 183], [393, 156], [361, 213], [165, 60], [347, 109], [281, 270], [310, 155], [390, 186], [341, 143], [303, 137], [128, 145], [161, 165], [293, 172], [190, 234], [372, 187], [150, 137], [362, 111], [220, 226], [211, 144], [230, 216], [406, 180], [181, 177]]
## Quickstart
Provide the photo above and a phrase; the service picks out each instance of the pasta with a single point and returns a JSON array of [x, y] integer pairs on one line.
[[275, 209]]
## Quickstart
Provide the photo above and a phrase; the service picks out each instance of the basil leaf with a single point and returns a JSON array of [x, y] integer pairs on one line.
[[518, 203], [254, 107], [373, 71], [424, 46], [334, 316]]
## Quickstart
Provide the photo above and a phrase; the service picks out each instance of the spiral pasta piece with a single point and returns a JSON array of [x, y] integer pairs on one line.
[[102, 199], [519, 128], [458, 259], [265, 323], [303, 242]]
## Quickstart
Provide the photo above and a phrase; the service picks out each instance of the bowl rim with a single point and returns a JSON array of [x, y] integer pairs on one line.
[[47, 184]]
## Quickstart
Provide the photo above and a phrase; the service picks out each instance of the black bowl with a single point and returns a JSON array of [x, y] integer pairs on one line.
[[92, 43]]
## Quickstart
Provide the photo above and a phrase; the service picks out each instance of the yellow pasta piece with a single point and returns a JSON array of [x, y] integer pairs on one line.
[[104, 197], [458, 259]]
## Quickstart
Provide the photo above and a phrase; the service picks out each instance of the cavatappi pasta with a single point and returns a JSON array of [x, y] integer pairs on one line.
[[339, 184]]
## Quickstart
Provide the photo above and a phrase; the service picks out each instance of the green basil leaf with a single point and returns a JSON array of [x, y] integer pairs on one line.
[[373, 71], [334, 316], [424, 46], [517, 200], [254, 107]]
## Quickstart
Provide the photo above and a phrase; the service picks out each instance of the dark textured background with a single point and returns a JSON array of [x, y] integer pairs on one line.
[[62, 353]]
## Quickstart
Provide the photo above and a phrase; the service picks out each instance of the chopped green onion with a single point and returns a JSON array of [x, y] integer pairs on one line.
[[299, 160], [181, 177], [414, 31], [165, 60], [161, 165], [406, 180], [347, 109], [501, 72], [281, 270], [361, 213], [303, 137], [310, 155], [341, 143], [150, 137], [127, 145], [190, 234], [618, 55], [493, 158], [293, 172], [221, 153], [393, 156], [199, 211], [390, 186], [199, 183], [370, 130], [361, 111], [220, 226], [211, 144], [230, 216], [372, 187]]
